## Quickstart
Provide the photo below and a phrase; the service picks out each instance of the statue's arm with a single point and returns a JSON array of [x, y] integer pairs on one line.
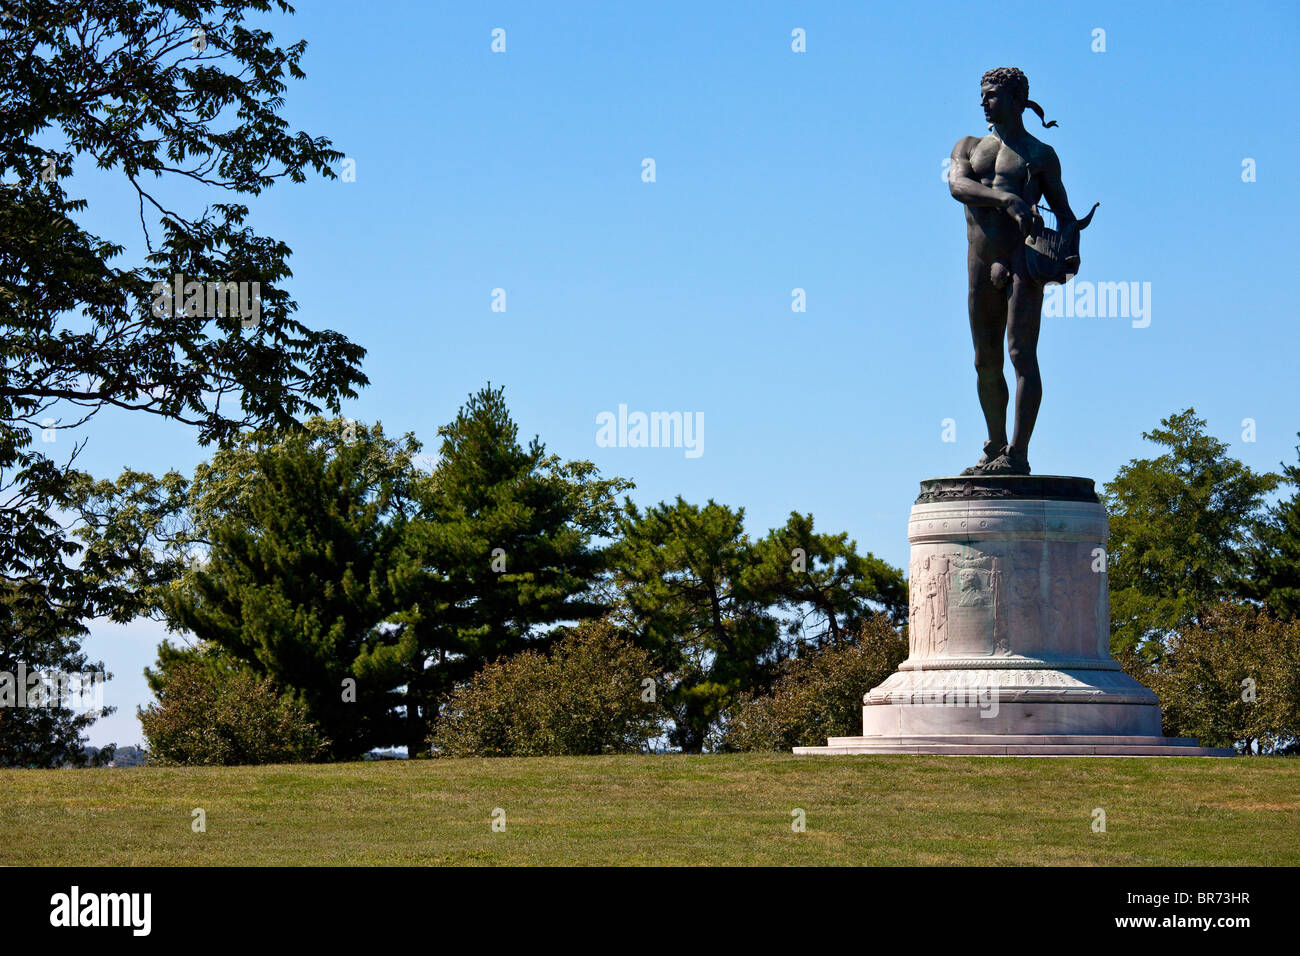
[[1054, 189], [963, 185]]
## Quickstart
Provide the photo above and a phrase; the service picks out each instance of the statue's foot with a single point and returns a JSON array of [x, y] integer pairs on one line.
[[991, 454], [1012, 461]]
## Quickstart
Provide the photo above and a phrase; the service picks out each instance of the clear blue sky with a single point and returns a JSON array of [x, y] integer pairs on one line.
[[775, 170]]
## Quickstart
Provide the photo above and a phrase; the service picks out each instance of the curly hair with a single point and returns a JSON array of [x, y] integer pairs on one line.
[[1016, 83]]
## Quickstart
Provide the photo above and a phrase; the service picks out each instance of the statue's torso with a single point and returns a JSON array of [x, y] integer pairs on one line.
[[1000, 166]]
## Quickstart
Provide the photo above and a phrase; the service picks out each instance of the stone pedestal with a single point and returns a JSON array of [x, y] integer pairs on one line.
[[1010, 632]]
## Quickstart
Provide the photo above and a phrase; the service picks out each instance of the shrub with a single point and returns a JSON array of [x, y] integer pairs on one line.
[[585, 697], [1233, 679], [209, 716], [820, 694]]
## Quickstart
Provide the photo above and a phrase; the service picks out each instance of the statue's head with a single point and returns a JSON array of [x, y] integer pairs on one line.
[[1004, 94]]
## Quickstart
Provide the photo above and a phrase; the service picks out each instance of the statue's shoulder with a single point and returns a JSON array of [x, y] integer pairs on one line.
[[1044, 154], [966, 145]]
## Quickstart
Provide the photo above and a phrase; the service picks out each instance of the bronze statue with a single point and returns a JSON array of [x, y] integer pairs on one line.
[[1000, 179]]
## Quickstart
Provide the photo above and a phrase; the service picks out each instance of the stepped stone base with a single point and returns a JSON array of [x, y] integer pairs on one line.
[[1019, 745], [1010, 633]]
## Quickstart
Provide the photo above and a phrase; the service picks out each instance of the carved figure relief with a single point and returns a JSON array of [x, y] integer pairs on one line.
[[928, 590]]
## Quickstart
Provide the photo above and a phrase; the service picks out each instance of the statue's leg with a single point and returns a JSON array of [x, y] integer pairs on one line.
[[988, 318], [1024, 317]]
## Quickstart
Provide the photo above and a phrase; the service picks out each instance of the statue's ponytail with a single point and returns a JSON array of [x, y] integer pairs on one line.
[[1039, 110]]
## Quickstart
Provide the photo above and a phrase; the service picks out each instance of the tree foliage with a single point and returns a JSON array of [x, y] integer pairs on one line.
[[819, 694], [324, 555], [1233, 680], [587, 696], [720, 611], [1180, 525], [685, 579], [1273, 559], [222, 716], [304, 537], [176, 100], [507, 544], [36, 640], [283, 553], [820, 582]]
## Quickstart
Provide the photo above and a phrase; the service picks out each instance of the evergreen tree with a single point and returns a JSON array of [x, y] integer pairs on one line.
[[688, 593], [1179, 527], [327, 556], [1273, 575], [826, 588], [304, 540], [506, 544]]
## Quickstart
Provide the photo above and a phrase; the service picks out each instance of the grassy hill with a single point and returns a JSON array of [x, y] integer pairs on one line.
[[733, 809]]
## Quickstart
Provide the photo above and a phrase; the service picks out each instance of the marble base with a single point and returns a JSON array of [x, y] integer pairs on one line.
[[1010, 632], [1019, 745]]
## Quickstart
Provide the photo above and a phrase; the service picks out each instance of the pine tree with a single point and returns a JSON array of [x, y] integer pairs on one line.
[[825, 587], [1274, 558], [507, 544], [304, 538], [1180, 525], [684, 576]]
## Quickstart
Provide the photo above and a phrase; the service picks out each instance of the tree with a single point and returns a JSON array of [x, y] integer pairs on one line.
[[1273, 575], [43, 729], [225, 717], [1179, 527], [687, 589], [327, 556], [586, 697], [1233, 680], [819, 694], [304, 539], [167, 96], [822, 582], [505, 545], [280, 559]]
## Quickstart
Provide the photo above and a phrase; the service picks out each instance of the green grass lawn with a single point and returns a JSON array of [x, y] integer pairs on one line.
[[733, 809]]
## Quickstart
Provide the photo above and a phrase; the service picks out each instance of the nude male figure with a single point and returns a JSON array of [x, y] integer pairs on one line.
[[999, 178]]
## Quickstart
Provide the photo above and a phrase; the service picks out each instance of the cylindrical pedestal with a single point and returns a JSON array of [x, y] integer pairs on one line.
[[1009, 631], [1010, 622]]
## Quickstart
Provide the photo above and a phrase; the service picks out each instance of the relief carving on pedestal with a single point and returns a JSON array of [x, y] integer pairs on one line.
[[974, 588], [1024, 599], [1063, 614], [977, 605], [1102, 620], [1078, 603], [928, 583], [1019, 622], [954, 596]]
